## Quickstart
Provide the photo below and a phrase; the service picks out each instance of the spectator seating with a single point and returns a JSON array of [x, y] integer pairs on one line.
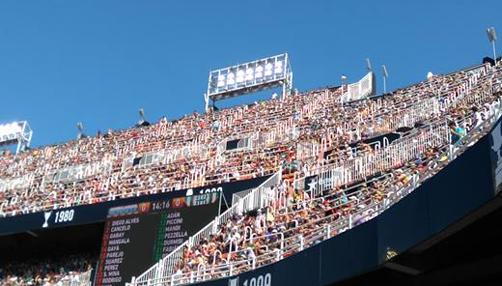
[[292, 134], [354, 184], [305, 135], [73, 270]]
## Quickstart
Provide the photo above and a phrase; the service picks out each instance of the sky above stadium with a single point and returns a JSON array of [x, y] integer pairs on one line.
[[99, 61]]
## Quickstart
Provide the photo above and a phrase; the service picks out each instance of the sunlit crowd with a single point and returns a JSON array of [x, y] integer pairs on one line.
[[301, 135]]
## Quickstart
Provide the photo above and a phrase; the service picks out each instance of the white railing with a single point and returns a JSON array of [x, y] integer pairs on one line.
[[257, 198], [426, 108], [463, 86], [343, 173], [327, 228], [381, 159], [287, 246]]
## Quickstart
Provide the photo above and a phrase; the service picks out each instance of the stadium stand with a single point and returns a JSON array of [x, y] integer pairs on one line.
[[358, 171], [69, 271], [192, 151], [295, 219]]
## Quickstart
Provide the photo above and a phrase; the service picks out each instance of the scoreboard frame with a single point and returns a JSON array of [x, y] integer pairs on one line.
[[138, 235]]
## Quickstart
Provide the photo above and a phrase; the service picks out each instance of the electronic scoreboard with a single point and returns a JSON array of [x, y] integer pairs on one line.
[[137, 236]]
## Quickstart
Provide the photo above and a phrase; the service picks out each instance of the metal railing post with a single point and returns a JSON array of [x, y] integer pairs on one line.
[[278, 254], [158, 270], [282, 241]]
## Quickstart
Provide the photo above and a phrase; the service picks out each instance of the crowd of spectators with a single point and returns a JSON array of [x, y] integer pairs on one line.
[[302, 134], [69, 270], [292, 133], [299, 218]]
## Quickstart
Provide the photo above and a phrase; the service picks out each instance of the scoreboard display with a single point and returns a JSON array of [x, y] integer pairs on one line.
[[137, 236]]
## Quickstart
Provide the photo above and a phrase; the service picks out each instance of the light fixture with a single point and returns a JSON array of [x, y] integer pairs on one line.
[[221, 80], [230, 78], [278, 67], [259, 72], [249, 74], [492, 37], [385, 75], [368, 65], [142, 121], [492, 34], [18, 132], [240, 76], [268, 69], [80, 131], [249, 77], [10, 128]]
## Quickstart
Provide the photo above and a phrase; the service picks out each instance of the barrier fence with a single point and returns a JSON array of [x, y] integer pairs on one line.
[[471, 82], [257, 198], [324, 230], [367, 164]]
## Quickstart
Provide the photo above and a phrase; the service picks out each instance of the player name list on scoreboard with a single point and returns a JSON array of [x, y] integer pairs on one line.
[[147, 232], [172, 232], [118, 234]]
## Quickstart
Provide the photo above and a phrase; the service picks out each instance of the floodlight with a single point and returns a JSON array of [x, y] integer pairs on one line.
[[358, 90], [221, 80], [385, 75], [384, 71], [249, 77], [278, 67], [230, 78], [249, 74], [268, 69], [492, 37], [343, 78], [142, 121], [10, 128], [240, 76], [259, 72], [492, 34], [368, 64], [18, 132], [80, 130]]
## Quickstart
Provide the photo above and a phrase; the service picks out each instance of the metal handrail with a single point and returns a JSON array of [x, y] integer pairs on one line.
[[167, 264], [381, 206]]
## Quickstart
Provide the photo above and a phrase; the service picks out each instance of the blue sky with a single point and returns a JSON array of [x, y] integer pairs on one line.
[[99, 61]]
